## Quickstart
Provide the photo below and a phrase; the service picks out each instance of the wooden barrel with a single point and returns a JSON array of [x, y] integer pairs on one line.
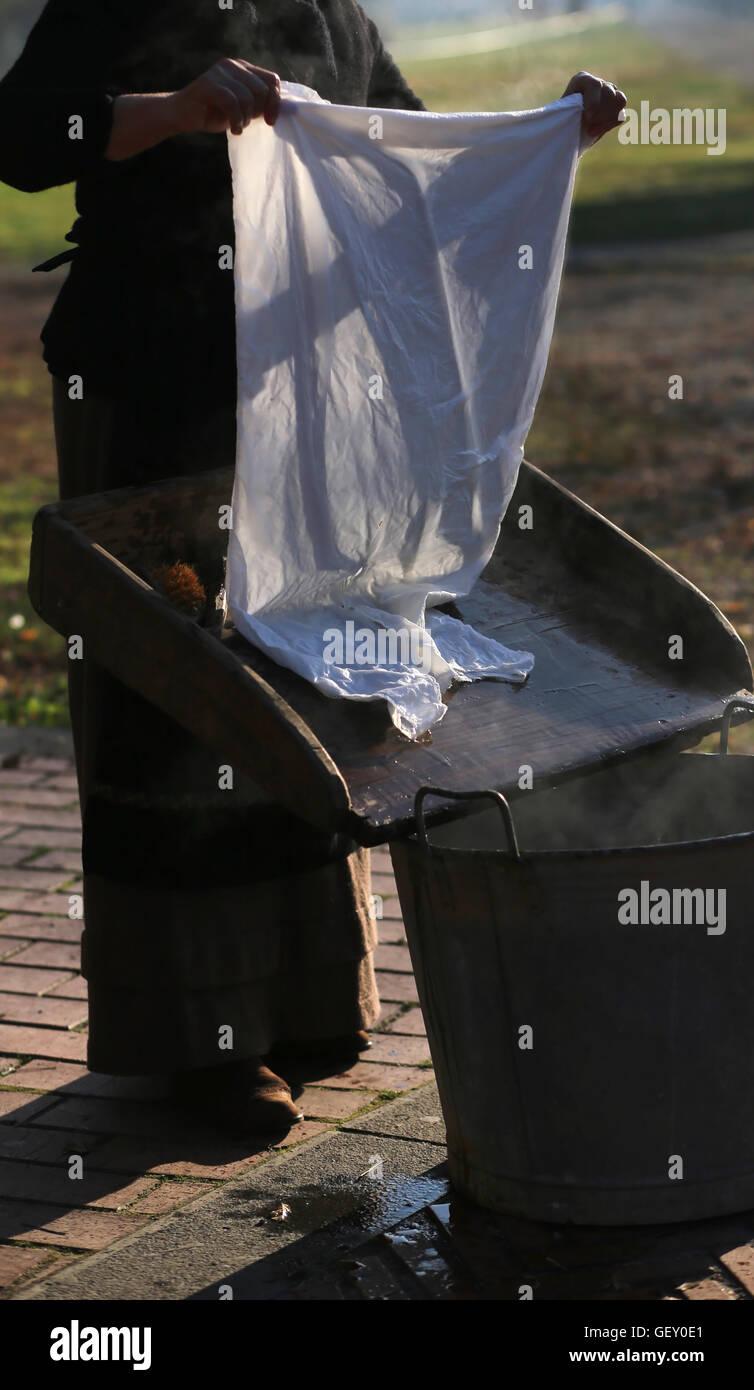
[[587, 984]]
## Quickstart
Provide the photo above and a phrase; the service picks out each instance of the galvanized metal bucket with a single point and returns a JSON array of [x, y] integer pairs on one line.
[[588, 990]]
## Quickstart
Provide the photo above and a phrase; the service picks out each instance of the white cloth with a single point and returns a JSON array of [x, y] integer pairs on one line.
[[391, 348]]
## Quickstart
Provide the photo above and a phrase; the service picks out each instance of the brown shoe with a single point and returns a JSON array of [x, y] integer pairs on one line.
[[241, 1098]]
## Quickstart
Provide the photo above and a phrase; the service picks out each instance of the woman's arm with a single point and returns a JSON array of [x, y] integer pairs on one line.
[[67, 116], [56, 99], [226, 97]]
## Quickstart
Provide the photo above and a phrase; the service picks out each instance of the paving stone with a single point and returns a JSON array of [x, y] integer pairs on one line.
[[319, 1103], [11, 945], [392, 1048], [375, 1076], [64, 781], [43, 1042], [740, 1263], [710, 1290], [37, 1182], [415, 1116], [45, 1224], [47, 838], [37, 797], [106, 1116], [166, 1196], [209, 1160], [19, 777], [52, 1146], [391, 910], [69, 859], [41, 1010], [42, 818], [12, 854], [17, 900], [411, 1022], [20, 1106], [32, 879], [387, 1013], [306, 1129], [393, 958], [35, 928], [42, 764], [391, 930], [6, 830], [384, 883], [75, 987], [15, 1261], [24, 979], [61, 955], [41, 1075], [395, 987]]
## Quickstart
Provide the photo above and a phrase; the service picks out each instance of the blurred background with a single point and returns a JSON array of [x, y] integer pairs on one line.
[[658, 283]]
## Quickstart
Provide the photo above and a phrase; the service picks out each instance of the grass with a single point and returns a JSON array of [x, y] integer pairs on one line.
[[33, 225], [623, 191]]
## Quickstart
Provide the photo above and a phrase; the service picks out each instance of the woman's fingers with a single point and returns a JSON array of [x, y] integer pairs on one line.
[[272, 109], [263, 86], [226, 105], [251, 99], [609, 107], [227, 97], [603, 102]]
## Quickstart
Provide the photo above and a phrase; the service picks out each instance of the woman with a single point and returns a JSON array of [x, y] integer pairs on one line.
[[211, 917]]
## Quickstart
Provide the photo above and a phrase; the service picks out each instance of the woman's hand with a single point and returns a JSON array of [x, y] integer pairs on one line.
[[603, 104], [226, 97]]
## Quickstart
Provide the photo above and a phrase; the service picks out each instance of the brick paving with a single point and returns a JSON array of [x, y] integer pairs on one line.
[[138, 1165], [139, 1162]]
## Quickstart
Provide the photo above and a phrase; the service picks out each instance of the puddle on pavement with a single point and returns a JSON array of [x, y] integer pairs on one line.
[[415, 1243], [388, 1236], [368, 1205]]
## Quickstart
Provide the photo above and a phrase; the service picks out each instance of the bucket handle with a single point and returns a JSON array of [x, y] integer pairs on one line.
[[497, 797], [727, 716]]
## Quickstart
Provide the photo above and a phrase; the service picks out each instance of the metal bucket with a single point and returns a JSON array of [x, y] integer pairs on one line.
[[590, 1011]]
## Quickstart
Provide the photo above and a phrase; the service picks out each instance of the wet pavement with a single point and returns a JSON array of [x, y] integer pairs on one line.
[[366, 1213]]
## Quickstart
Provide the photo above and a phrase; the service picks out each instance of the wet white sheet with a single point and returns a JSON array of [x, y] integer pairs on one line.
[[396, 280]]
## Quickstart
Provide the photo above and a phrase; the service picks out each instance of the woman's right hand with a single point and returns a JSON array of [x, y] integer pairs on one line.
[[228, 96]]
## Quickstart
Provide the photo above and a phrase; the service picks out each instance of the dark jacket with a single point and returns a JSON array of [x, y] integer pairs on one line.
[[145, 305]]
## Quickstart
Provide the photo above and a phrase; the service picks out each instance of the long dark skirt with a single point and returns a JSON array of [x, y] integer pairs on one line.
[[206, 910]]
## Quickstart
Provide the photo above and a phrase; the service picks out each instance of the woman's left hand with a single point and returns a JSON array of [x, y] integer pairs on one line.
[[603, 103]]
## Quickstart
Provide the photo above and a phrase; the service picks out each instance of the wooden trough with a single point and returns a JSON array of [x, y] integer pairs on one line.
[[597, 609]]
